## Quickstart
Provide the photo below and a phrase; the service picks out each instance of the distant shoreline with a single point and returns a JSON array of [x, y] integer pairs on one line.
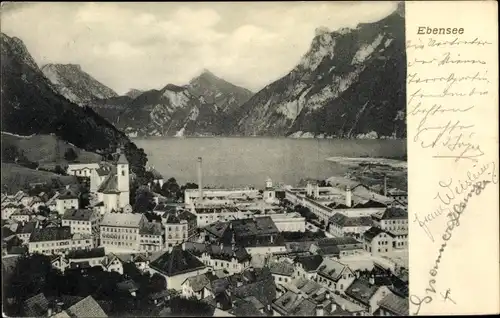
[[390, 161]]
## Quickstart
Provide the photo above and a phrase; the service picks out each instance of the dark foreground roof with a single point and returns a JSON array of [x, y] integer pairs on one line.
[[176, 262]]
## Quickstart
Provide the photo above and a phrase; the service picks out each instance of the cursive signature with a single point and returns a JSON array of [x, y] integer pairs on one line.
[[453, 222]]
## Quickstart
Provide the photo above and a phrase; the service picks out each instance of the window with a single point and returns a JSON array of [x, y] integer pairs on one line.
[[123, 173]]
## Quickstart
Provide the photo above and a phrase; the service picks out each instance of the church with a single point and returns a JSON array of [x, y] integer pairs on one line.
[[110, 185]]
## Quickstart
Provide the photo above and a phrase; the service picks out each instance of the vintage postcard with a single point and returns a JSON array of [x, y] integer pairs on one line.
[[322, 158]]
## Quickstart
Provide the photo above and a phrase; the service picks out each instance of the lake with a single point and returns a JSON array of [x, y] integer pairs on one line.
[[238, 161]]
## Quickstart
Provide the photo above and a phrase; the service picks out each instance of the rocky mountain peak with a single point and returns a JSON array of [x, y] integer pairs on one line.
[[75, 84]]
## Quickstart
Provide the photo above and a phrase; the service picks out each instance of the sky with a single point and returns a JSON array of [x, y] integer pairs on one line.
[[149, 45]]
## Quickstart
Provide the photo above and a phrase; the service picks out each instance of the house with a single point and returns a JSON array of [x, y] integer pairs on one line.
[[393, 305], [140, 261], [22, 215], [93, 256], [87, 307], [337, 247], [151, 237], [195, 285], [378, 241], [84, 221], [341, 225], [129, 286], [307, 266], [9, 209], [112, 184], [67, 200], [36, 306], [121, 230], [366, 294], [81, 169], [179, 226], [176, 266], [59, 261], [25, 229], [111, 263], [56, 240], [393, 219], [334, 275], [228, 257], [282, 271]]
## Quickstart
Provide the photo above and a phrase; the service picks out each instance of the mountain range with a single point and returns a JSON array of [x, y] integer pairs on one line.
[[349, 84], [31, 105]]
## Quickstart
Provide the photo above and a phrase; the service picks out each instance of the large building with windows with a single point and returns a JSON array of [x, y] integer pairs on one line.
[[83, 221], [121, 230], [180, 226], [57, 240]]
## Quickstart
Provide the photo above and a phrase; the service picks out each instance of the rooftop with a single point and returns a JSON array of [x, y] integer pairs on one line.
[[36, 306], [51, 234], [88, 307], [122, 219], [109, 185], [391, 213], [343, 221], [372, 232], [176, 262], [281, 268], [150, 229], [310, 262], [361, 290], [331, 269], [171, 217], [91, 253], [78, 214]]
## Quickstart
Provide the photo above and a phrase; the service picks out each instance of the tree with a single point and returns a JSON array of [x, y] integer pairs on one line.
[[43, 210], [9, 153], [59, 170], [70, 155], [190, 307], [144, 200], [170, 189]]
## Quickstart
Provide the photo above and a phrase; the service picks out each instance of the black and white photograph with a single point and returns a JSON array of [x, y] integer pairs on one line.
[[204, 159]]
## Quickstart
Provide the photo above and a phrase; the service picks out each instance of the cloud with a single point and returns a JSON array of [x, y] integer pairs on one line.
[[148, 45]]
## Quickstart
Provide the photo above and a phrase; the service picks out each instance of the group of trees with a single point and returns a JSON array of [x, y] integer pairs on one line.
[[12, 154], [303, 236], [34, 274], [142, 198], [305, 212]]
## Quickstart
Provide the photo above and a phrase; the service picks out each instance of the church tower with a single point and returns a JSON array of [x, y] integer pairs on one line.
[[269, 193], [123, 178]]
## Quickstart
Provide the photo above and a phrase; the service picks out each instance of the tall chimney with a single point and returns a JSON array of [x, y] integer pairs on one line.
[[385, 185], [348, 197], [200, 179]]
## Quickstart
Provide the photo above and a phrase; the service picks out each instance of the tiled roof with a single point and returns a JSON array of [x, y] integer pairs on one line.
[[361, 290], [88, 307], [281, 268], [78, 214], [372, 232], [91, 253], [67, 195], [344, 221], [310, 262], [109, 185], [395, 304], [264, 291], [150, 229], [36, 306], [128, 285], [245, 308], [198, 282], [172, 217], [28, 227], [336, 241], [176, 262], [298, 246], [392, 213], [51, 234], [331, 269], [122, 219]]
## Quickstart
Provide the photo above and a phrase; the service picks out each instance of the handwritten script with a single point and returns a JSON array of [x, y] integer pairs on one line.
[[447, 84]]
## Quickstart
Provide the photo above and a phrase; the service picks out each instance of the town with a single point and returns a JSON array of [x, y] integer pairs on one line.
[[329, 248]]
